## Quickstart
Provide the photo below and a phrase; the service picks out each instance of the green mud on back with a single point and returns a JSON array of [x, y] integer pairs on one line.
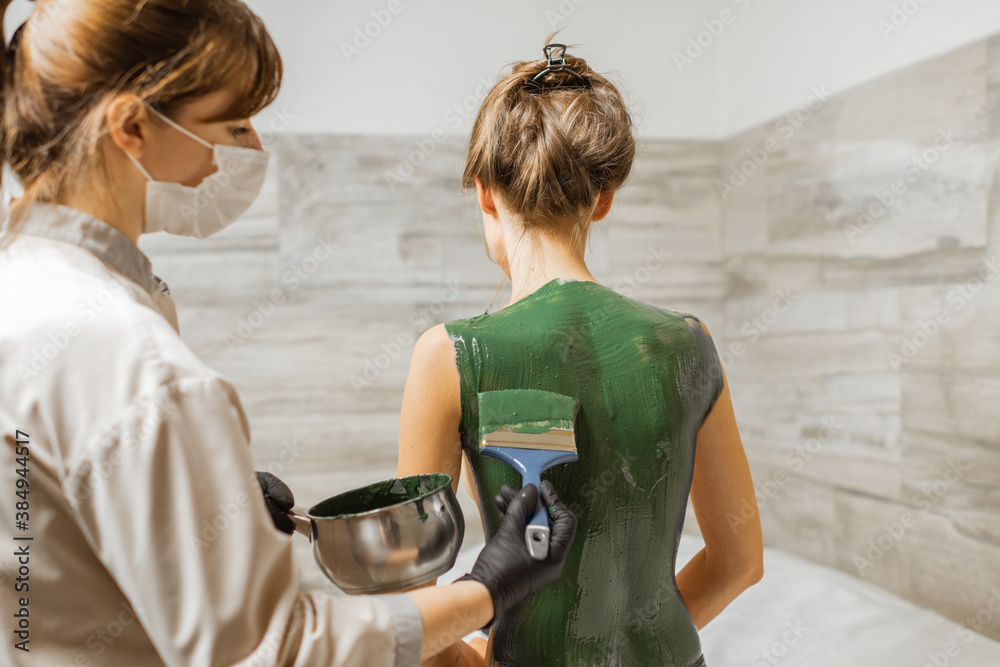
[[645, 377], [381, 495], [525, 411]]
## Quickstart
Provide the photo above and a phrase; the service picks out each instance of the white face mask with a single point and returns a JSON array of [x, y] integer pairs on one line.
[[217, 202]]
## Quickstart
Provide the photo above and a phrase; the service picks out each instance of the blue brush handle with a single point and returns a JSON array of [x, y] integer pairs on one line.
[[541, 515], [537, 531], [531, 463]]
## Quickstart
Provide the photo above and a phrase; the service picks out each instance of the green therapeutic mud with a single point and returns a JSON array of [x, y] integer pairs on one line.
[[381, 495], [645, 378], [525, 411]]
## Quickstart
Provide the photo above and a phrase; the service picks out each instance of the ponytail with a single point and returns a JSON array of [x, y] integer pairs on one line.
[[7, 53]]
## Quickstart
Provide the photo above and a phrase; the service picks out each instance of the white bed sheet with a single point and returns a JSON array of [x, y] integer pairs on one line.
[[806, 615]]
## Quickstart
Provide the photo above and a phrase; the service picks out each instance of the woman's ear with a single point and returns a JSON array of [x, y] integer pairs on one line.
[[486, 202], [128, 124], [603, 206]]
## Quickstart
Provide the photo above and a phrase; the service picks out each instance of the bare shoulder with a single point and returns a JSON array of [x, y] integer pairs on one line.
[[435, 346], [430, 416], [434, 370]]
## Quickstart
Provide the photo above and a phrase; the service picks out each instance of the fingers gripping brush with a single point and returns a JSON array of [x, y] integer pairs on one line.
[[531, 430]]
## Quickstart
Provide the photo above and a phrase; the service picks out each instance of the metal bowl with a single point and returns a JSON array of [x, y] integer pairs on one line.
[[385, 537]]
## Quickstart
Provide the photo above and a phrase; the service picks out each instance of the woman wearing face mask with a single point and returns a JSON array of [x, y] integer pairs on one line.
[[141, 536]]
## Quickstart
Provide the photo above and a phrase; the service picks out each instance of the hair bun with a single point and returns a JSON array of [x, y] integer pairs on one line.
[[558, 70], [549, 138]]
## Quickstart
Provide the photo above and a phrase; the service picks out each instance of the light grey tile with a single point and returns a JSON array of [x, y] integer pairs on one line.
[[912, 552]]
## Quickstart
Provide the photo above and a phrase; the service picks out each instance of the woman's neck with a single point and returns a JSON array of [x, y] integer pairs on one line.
[[540, 258], [121, 210]]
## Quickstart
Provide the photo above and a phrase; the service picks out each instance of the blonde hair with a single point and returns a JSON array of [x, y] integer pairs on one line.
[[549, 146], [69, 60]]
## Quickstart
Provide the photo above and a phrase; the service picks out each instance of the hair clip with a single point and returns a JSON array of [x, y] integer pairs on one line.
[[555, 61], [15, 39]]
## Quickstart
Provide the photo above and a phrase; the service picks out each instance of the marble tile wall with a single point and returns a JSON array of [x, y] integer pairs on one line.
[[848, 277], [862, 298]]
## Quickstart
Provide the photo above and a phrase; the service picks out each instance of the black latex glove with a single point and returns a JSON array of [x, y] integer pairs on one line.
[[502, 499], [279, 501], [505, 567]]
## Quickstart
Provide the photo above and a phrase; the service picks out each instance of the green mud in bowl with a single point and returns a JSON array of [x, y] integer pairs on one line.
[[381, 495], [388, 536]]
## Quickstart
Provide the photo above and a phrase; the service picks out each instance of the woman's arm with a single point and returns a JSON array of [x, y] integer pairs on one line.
[[429, 442], [724, 503], [448, 614], [432, 410], [470, 486]]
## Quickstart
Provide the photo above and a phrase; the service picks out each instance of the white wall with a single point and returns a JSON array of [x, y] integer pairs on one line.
[[779, 48], [428, 67], [435, 54], [762, 61]]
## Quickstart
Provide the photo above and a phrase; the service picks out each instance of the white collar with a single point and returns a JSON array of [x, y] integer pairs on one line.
[[61, 223]]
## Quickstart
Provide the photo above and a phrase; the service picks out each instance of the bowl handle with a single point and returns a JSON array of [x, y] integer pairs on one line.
[[300, 517]]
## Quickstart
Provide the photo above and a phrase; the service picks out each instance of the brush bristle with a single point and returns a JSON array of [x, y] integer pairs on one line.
[[556, 439]]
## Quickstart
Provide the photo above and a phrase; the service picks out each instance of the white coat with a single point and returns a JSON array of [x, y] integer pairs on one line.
[[150, 542]]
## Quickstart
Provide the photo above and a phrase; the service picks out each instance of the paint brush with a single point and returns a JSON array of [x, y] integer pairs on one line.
[[532, 430]]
